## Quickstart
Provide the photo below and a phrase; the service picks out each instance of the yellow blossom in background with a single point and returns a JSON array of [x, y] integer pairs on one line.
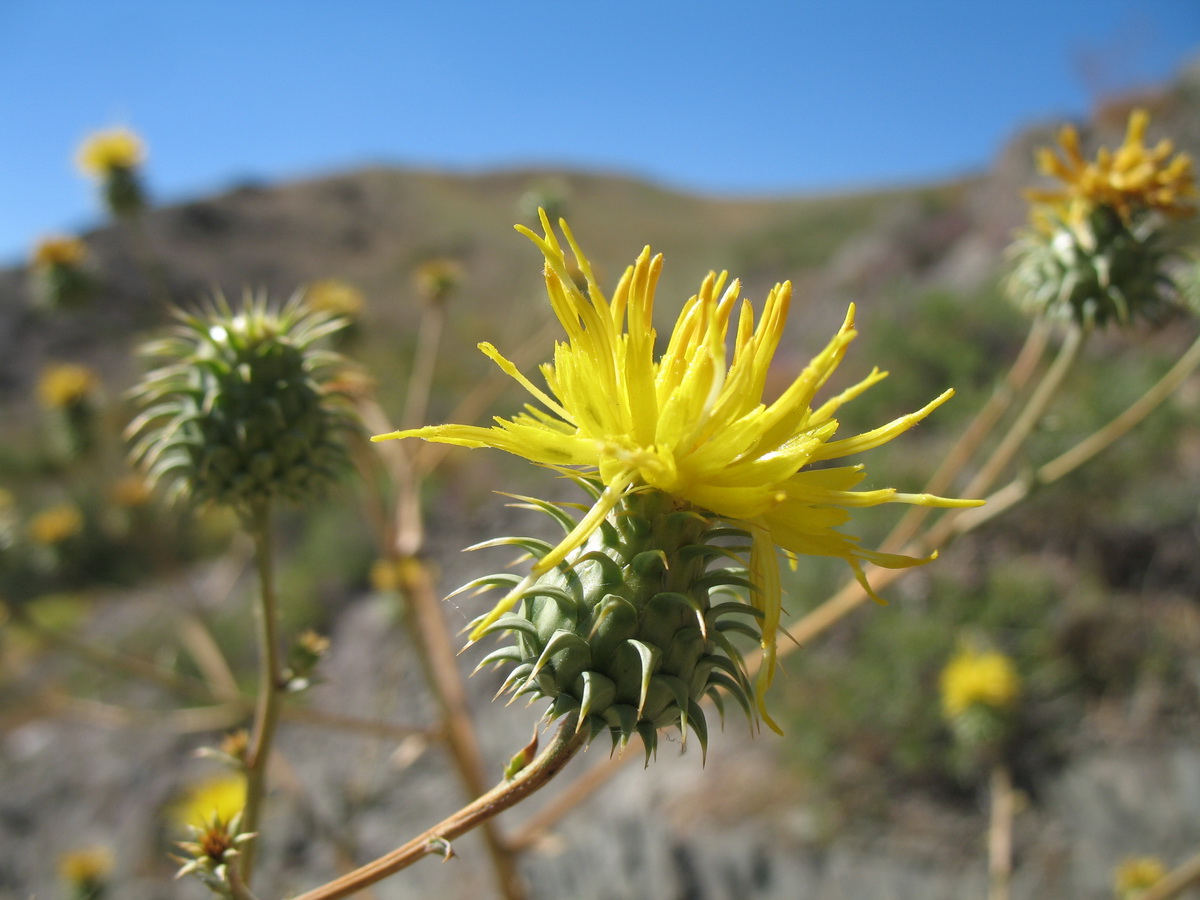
[[384, 577], [54, 525], [389, 575], [65, 384], [103, 152], [221, 798], [1134, 179], [1136, 874], [437, 278], [86, 867], [691, 424], [332, 295], [130, 491], [58, 250], [978, 677]]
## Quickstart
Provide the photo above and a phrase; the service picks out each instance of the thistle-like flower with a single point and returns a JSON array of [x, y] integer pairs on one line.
[[1136, 874], [982, 677], [86, 872], [1131, 181], [336, 297], [113, 158], [58, 273], [1100, 243], [687, 464], [221, 797], [56, 524], [65, 385], [980, 689], [244, 408], [436, 279]]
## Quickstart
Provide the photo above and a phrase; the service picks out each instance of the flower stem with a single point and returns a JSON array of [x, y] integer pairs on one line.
[[565, 744], [1000, 830], [270, 686], [420, 382], [1030, 416], [1091, 446], [1175, 882], [974, 435], [432, 642]]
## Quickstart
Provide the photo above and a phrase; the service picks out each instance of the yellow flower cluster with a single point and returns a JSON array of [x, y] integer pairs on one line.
[[1136, 874], [332, 295], [1134, 179], [65, 384], [221, 797], [54, 525], [86, 867], [58, 250], [978, 677], [105, 151]]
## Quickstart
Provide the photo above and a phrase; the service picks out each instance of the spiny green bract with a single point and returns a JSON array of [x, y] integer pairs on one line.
[[242, 409], [1096, 272], [625, 631]]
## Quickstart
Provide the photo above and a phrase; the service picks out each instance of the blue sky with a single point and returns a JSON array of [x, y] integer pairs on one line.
[[756, 97]]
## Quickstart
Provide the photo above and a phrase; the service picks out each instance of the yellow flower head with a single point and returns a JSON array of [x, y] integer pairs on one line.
[[86, 867], [58, 250], [216, 799], [54, 525], [691, 424], [65, 384], [130, 491], [1134, 179], [974, 676], [104, 151], [334, 296], [1136, 874], [437, 278]]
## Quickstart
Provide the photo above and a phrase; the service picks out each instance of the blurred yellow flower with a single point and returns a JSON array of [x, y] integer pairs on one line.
[[86, 867], [221, 797], [984, 677], [692, 424], [130, 491], [1134, 179], [437, 278], [332, 295], [65, 384], [58, 250], [389, 575], [54, 525], [105, 151], [1136, 874]]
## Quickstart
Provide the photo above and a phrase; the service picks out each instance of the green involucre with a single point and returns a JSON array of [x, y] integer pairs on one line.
[[1096, 272], [631, 630], [241, 410]]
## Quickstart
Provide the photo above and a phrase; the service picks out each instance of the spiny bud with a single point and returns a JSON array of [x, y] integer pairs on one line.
[[1099, 270], [243, 409], [309, 649], [625, 631]]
